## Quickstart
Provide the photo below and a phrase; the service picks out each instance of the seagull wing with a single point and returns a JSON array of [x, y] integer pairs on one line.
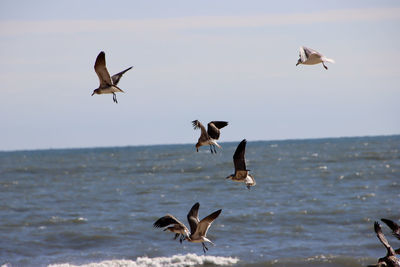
[[193, 217], [306, 53], [115, 78], [101, 70], [205, 223], [213, 128], [167, 220], [382, 238], [196, 125], [238, 157], [393, 226]]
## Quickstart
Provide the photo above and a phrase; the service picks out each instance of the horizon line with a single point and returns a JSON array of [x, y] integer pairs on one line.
[[183, 144]]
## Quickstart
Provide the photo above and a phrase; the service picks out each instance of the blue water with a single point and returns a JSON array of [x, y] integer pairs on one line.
[[314, 203]]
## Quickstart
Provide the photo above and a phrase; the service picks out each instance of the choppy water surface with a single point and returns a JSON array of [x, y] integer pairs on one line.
[[314, 204]]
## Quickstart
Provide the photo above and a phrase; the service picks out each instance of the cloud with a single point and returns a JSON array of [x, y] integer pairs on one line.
[[196, 22]]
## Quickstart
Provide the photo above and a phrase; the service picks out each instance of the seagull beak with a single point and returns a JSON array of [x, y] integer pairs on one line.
[[197, 149], [93, 94], [297, 63]]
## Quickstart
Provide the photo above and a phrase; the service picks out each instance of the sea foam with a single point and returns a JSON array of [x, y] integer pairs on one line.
[[175, 261]]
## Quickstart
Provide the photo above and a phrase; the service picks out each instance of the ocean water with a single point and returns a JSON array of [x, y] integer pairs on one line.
[[314, 204]]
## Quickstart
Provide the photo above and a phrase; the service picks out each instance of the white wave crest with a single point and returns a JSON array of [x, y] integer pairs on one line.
[[174, 261]]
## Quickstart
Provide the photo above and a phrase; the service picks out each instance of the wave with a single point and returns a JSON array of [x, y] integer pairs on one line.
[[174, 261]]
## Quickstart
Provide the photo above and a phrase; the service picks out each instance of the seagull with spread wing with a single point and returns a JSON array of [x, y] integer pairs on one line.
[[309, 56], [198, 229], [108, 85], [210, 136], [241, 173], [390, 259]]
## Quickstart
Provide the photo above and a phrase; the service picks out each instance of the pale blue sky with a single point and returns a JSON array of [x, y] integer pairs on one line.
[[205, 60]]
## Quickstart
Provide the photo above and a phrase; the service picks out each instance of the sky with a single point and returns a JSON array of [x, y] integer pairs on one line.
[[207, 60]]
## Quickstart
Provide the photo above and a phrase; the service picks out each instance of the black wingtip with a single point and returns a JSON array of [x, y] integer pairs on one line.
[[377, 227], [218, 212], [195, 124]]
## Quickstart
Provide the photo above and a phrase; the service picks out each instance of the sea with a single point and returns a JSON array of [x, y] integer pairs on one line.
[[314, 204]]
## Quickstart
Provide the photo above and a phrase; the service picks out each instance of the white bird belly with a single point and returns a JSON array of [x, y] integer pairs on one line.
[[110, 90]]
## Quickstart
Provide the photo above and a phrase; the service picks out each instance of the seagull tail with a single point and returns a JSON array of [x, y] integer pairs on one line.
[[215, 143], [329, 60]]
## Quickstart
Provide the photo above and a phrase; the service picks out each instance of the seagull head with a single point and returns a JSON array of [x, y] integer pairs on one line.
[[95, 91], [230, 176]]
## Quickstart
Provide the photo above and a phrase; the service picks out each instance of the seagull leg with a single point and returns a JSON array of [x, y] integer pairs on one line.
[[176, 236], [204, 247], [324, 66], [115, 98], [211, 149], [215, 150]]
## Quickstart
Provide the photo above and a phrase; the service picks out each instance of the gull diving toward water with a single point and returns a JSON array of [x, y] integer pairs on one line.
[[390, 259], [309, 56], [108, 85], [210, 136], [198, 229], [241, 173]]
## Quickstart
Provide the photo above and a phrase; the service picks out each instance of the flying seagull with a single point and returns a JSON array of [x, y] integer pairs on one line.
[[309, 56], [108, 85], [241, 173], [177, 227], [198, 229], [390, 259], [210, 136]]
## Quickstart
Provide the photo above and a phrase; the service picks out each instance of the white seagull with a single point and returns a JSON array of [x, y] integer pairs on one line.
[[198, 229], [309, 56], [108, 85], [210, 136], [241, 173]]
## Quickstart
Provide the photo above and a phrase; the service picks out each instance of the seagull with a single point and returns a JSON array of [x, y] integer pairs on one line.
[[108, 85], [390, 259], [177, 227], [395, 230], [309, 56], [210, 136], [198, 229], [241, 173]]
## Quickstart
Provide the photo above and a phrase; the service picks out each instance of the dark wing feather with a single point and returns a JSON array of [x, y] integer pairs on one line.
[[393, 226], [213, 128], [196, 125], [238, 157], [101, 70], [220, 124], [166, 220], [193, 217], [382, 238], [115, 78]]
